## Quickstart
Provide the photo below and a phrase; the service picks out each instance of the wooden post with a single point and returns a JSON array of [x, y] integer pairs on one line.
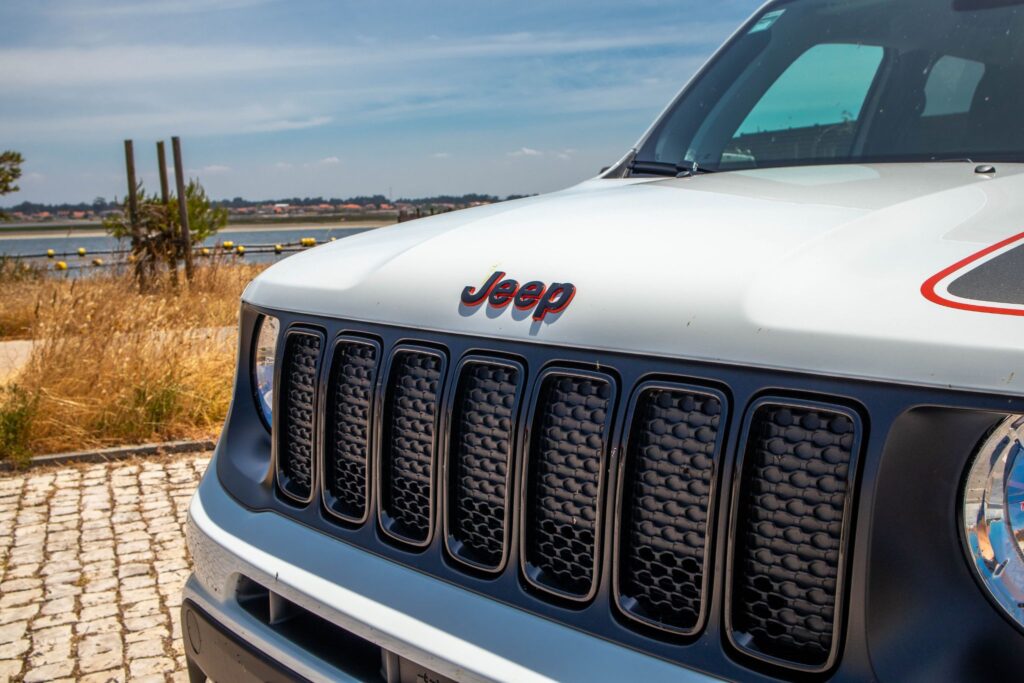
[[179, 179], [165, 198], [133, 214], [161, 158]]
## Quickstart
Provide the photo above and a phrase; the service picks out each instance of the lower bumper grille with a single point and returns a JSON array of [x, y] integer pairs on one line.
[[791, 533]]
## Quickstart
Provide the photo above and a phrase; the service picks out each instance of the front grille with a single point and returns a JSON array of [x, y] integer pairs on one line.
[[563, 480], [297, 410], [480, 459], [666, 492], [527, 455], [790, 532], [349, 423], [407, 444]]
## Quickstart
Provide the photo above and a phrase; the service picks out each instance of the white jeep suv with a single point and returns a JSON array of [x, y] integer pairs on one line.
[[746, 406]]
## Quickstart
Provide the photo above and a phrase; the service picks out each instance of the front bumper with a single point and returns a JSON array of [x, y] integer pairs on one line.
[[444, 628]]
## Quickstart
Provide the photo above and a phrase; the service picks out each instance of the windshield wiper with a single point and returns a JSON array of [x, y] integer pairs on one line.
[[666, 169]]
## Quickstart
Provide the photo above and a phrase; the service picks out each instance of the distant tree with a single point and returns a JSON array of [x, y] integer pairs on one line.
[[158, 238], [10, 171]]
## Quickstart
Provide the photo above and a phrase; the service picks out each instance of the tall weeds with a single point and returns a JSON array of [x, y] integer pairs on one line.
[[113, 366]]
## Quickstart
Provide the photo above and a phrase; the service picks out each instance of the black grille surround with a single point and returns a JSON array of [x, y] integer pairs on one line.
[[295, 414], [665, 503], [408, 444], [790, 530], [480, 461], [348, 427], [564, 481], [708, 647]]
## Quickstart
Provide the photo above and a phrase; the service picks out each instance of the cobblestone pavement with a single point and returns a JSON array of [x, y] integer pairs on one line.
[[92, 562]]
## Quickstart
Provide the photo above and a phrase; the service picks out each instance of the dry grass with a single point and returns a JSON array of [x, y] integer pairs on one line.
[[20, 283], [112, 366]]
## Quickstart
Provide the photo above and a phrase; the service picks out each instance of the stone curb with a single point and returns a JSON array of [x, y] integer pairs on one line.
[[112, 454]]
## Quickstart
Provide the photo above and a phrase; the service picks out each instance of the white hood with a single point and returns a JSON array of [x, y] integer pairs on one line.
[[813, 269]]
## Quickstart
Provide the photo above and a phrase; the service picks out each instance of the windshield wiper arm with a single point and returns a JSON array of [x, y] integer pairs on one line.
[[693, 168], [666, 169]]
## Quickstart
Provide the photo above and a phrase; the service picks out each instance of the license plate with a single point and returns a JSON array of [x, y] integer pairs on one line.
[[401, 670]]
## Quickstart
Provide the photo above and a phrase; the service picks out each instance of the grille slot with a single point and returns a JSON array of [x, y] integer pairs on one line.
[[665, 499], [408, 443], [347, 434], [296, 414], [791, 533], [561, 527], [480, 462]]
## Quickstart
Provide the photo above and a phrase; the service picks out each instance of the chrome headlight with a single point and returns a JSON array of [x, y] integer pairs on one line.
[[994, 516], [263, 367]]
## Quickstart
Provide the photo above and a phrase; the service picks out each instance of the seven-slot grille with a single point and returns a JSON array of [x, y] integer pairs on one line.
[[666, 491], [297, 410], [348, 426], [791, 501], [408, 441], [480, 462], [561, 516], [790, 532]]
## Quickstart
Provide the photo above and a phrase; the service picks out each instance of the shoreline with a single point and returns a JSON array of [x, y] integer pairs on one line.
[[16, 233]]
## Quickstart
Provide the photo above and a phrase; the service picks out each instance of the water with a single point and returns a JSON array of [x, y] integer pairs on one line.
[[66, 246]]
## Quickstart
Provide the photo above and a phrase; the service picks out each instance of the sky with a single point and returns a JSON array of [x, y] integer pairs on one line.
[[338, 98]]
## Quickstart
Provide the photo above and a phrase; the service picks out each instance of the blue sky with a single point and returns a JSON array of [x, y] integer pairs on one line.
[[278, 98]]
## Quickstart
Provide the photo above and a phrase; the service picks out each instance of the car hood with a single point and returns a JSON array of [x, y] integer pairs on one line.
[[815, 269]]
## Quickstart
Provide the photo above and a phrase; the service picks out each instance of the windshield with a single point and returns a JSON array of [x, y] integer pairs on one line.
[[851, 81]]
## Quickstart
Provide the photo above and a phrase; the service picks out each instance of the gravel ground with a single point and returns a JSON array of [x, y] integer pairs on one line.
[[92, 562]]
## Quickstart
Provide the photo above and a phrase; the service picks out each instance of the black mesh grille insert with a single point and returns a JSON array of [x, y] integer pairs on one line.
[[563, 482], [666, 492], [796, 476], [297, 413], [350, 402], [480, 455], [407, 454]]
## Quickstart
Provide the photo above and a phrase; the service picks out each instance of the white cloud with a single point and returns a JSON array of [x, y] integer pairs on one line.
[[212, 168], [526, 152], [34, 67], [150, 7], [329, 161], [442, 155], [283, 165]]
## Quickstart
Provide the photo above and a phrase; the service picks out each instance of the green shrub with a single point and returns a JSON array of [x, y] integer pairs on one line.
[[17, 411]]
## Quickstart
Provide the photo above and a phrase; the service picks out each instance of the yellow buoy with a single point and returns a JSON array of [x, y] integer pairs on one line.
[[204, 251], [308, 241], [240, 249], [60, 265], [50, 253], [97, 262], [278, 248], [81, 251], [228, 244], [333, 239]]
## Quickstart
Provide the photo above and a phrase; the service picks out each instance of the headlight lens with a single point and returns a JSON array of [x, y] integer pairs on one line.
[[994, 516], [263, 367]]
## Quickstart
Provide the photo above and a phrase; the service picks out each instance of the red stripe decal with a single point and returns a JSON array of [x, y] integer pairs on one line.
[[928, 288]]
